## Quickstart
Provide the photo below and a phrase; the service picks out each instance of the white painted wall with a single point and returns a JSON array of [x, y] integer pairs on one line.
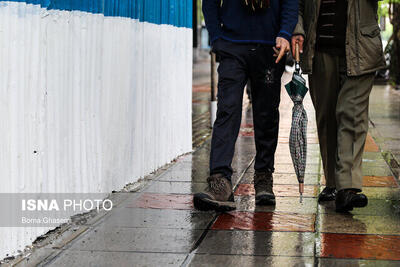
[[102, 100]]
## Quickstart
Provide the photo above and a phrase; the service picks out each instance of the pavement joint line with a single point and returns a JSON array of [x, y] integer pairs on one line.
[[317, 226], [360, 234], [387, 156], [196, 245], [71, 237], [129, 251], [201, 116], [190, 256], [258, 255], [243, 173], [46, 261]]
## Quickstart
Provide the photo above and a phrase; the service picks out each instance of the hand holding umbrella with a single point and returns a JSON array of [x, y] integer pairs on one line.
[[298, 133]]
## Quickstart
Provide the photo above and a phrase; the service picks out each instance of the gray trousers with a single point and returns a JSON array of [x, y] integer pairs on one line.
[[341, 105]]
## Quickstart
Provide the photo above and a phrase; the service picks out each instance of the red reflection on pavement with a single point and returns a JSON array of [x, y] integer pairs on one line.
[[379, 181], [373, 181], [265, 221], [370, 145], [380, 247]]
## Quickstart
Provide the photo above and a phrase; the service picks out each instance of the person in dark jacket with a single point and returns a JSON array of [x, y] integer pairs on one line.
[[342, 51], [250, 37]]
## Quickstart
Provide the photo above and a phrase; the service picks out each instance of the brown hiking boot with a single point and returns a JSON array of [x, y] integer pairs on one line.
[[217, 196], [263, 183]]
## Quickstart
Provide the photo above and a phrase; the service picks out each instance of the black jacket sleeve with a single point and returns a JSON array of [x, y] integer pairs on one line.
[[289, 17], [213, 24]]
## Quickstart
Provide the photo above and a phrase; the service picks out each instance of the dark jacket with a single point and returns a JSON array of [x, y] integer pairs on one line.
[[364, 52], [230, 20]]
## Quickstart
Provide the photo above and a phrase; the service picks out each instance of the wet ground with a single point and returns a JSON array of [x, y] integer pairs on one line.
[[158, 226]]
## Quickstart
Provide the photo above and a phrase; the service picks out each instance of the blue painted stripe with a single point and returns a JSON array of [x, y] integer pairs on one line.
[[172, 12]]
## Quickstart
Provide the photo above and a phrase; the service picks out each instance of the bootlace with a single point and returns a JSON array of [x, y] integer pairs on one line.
[[216, 184]]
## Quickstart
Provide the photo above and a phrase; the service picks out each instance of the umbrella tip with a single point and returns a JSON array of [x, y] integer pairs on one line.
[[301, 188], [301, 191]]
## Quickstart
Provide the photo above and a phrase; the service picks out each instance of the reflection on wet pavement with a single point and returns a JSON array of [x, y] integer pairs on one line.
[[265, 221], [158, 225], [382, 247], [279, 190]]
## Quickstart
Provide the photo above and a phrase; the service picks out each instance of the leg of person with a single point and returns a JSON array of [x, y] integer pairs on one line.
[[231, 81], [324, 89], [352, 119], [265, 76]]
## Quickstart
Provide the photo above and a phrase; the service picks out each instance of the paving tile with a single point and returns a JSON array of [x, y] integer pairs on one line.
[[288, 168], [200, 173], [258, 243], [39, 255], [374, 162], [175, 187], [359, 224], [379, 181], [285, 158], [249, 261], [123, 199], [370, 145], [157, 218], [265, 221], [373, 181], [246, 132], [162, 201], [377, 171], [103, 258], [283, 204], [372, 155], [380, 247], [285, 152], [285, 140], [106, 238], [376, 207], [282, 178], [356, 263], [382, 193], [279, 190], [183, 176]]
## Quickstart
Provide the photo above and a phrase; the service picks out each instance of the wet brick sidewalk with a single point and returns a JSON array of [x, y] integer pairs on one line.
[[158, 226]]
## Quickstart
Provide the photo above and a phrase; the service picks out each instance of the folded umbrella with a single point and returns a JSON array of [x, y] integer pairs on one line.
[[297, 89]]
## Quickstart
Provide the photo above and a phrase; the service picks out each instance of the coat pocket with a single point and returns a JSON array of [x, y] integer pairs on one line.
[[371, 50], [370, 31]]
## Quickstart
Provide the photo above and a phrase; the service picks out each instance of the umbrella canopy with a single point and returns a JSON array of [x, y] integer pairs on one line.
[[297, 89]]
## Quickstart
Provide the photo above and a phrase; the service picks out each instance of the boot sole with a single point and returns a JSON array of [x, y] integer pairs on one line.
[[346, 208], [205, 204], [325, 199], [265, 200], [354, 204]]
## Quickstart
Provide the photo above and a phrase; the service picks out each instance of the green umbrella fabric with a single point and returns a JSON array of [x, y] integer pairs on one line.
[[298, 133]]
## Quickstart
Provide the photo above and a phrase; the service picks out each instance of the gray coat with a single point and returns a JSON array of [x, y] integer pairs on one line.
[[364, 52]]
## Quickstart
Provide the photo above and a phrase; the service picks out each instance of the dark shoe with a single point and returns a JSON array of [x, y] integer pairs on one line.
[[263, 183], [217, 196], [328, 194], [347, 199]]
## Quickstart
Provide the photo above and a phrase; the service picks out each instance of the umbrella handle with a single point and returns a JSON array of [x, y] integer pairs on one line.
[[297, 58]]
